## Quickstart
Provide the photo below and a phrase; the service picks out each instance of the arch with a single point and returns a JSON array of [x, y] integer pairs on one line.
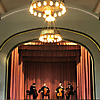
[[63, 29], [73, 20]]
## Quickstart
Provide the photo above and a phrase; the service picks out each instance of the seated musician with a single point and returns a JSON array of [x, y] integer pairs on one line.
[[45, 91], [69, 91], [60, 92], [33, 90]]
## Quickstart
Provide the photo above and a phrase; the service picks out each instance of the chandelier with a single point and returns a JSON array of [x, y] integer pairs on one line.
[[48, 9], [50, 36]]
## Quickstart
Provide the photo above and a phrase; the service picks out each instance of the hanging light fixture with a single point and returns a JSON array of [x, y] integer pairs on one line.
[[50, 36], [48, 9]]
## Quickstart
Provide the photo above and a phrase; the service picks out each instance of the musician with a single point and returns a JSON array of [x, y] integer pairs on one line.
[[45, 91], [60, 92], [69, 91], [33, 90]]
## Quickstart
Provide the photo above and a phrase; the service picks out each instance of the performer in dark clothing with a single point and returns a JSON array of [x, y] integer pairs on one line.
[[45, 91], [33, 90], [60, 92], [69, 91]]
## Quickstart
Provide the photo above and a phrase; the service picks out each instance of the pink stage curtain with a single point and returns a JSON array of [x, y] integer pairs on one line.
[[52, 73], [83, 76], [17, 77], [50, 66]]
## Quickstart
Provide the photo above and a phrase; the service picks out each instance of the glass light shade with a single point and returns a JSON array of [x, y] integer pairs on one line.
[[59, 13], [63, 12], [50, 36], [35, 13], [57, 4], [48, 12], [50, 19], [31, 11], [44, 3], [44, 15], [61, 5], [55, 14], [39, 4], [39, 15], [31, 8], [51, 3], [34, 5]]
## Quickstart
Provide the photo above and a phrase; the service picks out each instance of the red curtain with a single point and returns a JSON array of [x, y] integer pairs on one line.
[[50, 73], [41, 66], [50, 64], [83, 76], [17, 77]]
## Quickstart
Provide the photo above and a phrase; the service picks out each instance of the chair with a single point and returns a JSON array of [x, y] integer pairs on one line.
[[28, 94]]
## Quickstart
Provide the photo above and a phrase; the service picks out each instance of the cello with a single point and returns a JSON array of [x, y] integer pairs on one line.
[[46, 92], [60, 93], [68, 92]]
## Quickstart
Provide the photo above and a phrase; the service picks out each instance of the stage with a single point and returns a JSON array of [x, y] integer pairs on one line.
[[50, 64]]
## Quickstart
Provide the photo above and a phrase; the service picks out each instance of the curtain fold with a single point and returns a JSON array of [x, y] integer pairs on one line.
[[51, 74], [50, 66], [17, 77], [83, 76]]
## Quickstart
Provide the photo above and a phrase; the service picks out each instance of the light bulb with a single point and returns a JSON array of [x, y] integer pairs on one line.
[[55, 36], [44, 3], [44, 16], [48, 35], [59, 13], [59, 38], [39, 15], [51, 36], [61, 6], [54, 40], [63, 12], [45, 40], [55, 14], [39, 4], [45, 36], [57, 4], [35, 13], [64, 8], [41, 39], [31, 7], [34, 5], [51, 3], [32, 11], [50, 19], [48, 12]]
